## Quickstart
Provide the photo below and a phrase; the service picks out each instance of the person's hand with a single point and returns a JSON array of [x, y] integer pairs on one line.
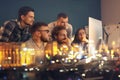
[[66, 41], [85, 40]]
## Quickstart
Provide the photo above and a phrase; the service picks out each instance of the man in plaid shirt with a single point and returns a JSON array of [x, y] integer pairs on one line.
[[18, 30]]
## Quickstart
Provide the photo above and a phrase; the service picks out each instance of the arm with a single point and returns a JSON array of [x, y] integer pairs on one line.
[[69, 30], [8, 28], [67, 41]]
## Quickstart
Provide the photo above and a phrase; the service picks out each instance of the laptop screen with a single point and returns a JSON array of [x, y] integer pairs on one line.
[[95, 31]]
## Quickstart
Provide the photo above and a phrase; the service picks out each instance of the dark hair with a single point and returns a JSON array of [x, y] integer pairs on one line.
[[63, 15], [36, 26], [56, 30], [24, 11], [76, 39]]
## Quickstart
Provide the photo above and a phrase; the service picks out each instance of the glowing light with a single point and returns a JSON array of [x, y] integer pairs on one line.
[[14, 68], [24, 64], [9, 58], [79, 56], [31, 69], [63, 59], [69, 60], [105, 58], [57, 60], [66, 69], [76, 69], [107, 70], [25, 49], [75, 60], [119, 76], [88, 60], [26, 69], [52, 62], [41, 62], [83, 75], [1, 55], [61, 70], [47, 56], [71, 69], [113, 43], [55, 48], [37, 69]]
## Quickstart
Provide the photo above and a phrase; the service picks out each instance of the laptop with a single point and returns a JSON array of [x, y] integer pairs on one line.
[[95, 33]]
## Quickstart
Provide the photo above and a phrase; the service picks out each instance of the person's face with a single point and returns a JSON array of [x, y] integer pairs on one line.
[[62, 35], [62, 21], [81, 35], [29, 18], [45, 34]]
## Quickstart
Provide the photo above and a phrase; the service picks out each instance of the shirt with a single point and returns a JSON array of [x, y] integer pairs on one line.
[[68, 28], [12, 32]]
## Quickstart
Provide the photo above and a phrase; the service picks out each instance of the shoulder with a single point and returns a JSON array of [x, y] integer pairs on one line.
[[10, 24], [69, 26], [52, 23], [49, 44], [28, 43]]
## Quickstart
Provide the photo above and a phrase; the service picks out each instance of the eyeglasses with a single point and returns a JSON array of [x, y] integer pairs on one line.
[[44, 30]]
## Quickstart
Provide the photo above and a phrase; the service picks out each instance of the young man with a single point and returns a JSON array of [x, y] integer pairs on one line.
[[40, 35], [18, 30], [62, 20], [60, 38], [52, 49]]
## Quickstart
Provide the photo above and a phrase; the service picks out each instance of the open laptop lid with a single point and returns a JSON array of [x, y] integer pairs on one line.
[[95, 31]]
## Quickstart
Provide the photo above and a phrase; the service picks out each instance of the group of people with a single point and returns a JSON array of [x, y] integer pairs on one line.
[[39, 35]]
